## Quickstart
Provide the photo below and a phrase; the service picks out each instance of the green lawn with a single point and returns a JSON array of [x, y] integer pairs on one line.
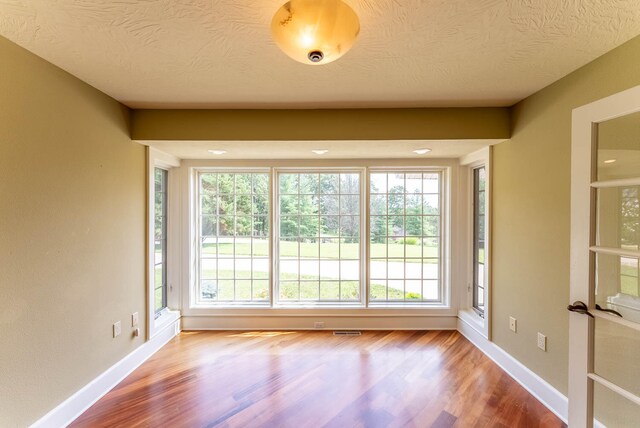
[[629, 280], [331, 250], [327, 289], [320, 288]]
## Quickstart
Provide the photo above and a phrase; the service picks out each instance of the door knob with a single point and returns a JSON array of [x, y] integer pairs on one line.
[[580, 307]]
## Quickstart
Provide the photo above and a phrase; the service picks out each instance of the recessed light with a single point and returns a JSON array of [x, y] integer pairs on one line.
[[610, 161], [421, 151], [320, 152], [217, 152]]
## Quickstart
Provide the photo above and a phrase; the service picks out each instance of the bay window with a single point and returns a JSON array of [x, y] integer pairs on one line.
[[287, 237]]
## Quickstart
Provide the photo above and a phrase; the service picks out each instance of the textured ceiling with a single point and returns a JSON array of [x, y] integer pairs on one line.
[[219, 53]]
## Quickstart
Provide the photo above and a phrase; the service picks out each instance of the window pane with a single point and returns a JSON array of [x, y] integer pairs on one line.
[[260, 184], [431, 183], [618, 217], [395, 183], [209, 289], [378, 183], [233, 245], [404, 243], [289, 290], [395, 227], [617, 282], [260, 226], [350, 184], [350, 290], [619, 148], [413, 204], [289, 248], [378, 289], [329, 204], [479, 202], [289, 205], [309, 184], [260, 290], [209, 203], [243, 183], [329, 183], [350, 227], [378, 205], [243, 290], [243, 204], [160, 238], [226, 290], [378, 247], [289, 226], [326, 230], [329, 248], [309, 226], [414, 183], [329, 226], [310, 291], [431, 204], [208, 184], [350, 204], [289, 184], [329, 290]]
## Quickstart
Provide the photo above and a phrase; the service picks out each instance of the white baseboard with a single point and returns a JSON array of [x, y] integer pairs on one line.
[[553, 399], [74, 406], [242, 322]]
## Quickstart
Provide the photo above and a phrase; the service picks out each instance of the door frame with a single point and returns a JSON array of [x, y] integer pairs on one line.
[[584, 127]]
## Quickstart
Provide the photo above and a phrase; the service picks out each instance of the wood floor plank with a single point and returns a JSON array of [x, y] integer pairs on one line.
[[314, 379]]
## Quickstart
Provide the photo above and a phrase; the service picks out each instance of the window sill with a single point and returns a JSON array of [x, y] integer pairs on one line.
[[474, 320], [166, 318]]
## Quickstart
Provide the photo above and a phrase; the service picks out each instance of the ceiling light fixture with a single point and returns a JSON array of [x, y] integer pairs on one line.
[[315, 31], [421, 151], [217, 152], [320, 152], [610, 161]]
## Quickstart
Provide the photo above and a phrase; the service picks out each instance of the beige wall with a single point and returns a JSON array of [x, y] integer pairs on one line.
[[531, 191], [346, 124], [72, 234]]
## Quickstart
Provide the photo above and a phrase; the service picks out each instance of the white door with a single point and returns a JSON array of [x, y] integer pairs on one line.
[[604, 348]]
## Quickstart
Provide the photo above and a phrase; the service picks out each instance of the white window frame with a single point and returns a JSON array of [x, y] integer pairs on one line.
[[450, 240], [195, 248], [275, 216], [467, 313], [156, 322], [445, 237]]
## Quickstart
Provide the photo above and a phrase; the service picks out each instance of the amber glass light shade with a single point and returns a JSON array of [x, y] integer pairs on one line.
[[315, 31]]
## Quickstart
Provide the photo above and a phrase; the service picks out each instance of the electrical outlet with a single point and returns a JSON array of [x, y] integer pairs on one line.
[[318, 324], [513, 324], [542, 342], [134, 319], [117, 329]]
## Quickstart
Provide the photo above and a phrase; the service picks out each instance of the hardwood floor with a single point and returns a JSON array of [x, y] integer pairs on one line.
[[314, 379]]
